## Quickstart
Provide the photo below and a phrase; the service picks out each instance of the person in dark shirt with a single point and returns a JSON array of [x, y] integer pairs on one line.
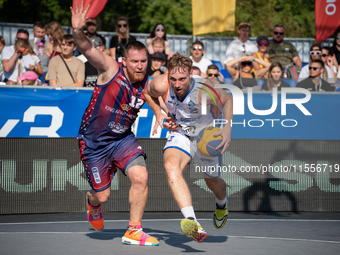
[[274, 78], [157, 60]]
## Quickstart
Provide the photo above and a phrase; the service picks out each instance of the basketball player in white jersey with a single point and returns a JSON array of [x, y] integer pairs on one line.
[[181, 95]]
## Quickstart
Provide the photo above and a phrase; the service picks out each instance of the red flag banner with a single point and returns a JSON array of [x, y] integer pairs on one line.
[[327, 13], [96, 6]]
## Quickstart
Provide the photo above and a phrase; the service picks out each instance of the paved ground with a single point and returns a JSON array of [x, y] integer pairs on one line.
[[244, 233]]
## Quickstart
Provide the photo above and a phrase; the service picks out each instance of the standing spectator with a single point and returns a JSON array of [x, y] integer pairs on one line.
[[9, 58], [241, 45], [328, 74], [243, 77], [157, 61], [158, 31], [274, 78], [2, 46], [118, 41], [315, 82], [28, 60], [54, 32], [197, 51], [66, 69], [262, 45], [283, 52], [336, 47]]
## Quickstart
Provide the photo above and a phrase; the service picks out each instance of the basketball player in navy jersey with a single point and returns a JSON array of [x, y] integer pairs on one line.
[[105, 137], [181, 96]]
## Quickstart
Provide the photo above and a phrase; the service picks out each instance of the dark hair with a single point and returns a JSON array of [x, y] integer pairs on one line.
[[153, 32], [2, 40], [270, 78], [278, 25], [336, 34], [329, 49], [39, 24], [21, 30], [134, 45], [319, 61], [68, 39], [199, 43], [214, 67]]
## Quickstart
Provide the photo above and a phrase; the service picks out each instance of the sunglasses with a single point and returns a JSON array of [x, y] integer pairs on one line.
[[324, 55], [246, 63], [213, 74], [315, 52], [314, 68], [121, 25], [21, 51], [263, 44], [278, 33], [337, 37], [197, 48], [160, 29]]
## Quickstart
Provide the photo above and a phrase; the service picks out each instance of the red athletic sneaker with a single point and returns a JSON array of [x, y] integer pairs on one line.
[[136, 236], [95, 216]]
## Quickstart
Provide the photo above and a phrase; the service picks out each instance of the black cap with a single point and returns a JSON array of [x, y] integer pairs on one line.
[[315, 45], [159, 55], [262, 37]]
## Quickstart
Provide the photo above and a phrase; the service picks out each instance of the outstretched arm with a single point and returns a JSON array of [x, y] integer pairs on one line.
[[100, 61]]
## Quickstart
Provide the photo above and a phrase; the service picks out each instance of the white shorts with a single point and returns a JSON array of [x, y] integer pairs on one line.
[[211, 166]]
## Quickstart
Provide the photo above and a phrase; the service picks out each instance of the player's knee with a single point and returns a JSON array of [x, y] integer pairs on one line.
[[102, 197], [139, 177]]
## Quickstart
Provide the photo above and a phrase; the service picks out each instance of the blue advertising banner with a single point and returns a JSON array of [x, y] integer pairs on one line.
[[35, 112]]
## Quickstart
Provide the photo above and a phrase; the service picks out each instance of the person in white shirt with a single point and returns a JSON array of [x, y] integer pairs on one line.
[[241, 45], [197, 51]]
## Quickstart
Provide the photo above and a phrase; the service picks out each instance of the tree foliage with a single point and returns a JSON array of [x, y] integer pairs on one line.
[[296, 15]]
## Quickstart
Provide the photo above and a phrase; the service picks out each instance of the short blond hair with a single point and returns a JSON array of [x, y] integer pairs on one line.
[[179, 62]]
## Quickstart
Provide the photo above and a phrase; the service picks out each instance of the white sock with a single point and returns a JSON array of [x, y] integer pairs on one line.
[[188, 212], [221, 203]]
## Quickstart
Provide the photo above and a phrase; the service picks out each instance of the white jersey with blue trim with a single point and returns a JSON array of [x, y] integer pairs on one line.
[[188, 111]]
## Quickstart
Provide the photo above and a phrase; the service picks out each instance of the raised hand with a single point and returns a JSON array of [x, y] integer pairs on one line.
[[79, 16]]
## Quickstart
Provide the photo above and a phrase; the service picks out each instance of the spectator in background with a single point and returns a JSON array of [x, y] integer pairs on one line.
[[214, 72], [243, 77], [2, 46], [92, 26], [262, 45], [118, 41], [241, 45], [326, 53], [158, 45], [315, 82], [336, 47], [196, 70], [157, 61], [54, 33], [66, 70], [39, 35], [9, 59], [197, 52], [29, 78], [158, 31], [274, 78], [28, 60], [280, 51], [328, 74]]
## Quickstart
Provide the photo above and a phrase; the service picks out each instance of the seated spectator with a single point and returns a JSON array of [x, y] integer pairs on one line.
[[158, 31], [2, 46], [315, 82], [328, 74], [197, 51], [54, 32], [158, 45], [157, 61], [118, 41], [280, 51], [91, 73], [9, 59], [213, 73], [243, 77], [327, 53], [274, 78], [66, 69], [336, 47], [262, 45], [241, 45], [196, 70], [29, 78], [28, 60]]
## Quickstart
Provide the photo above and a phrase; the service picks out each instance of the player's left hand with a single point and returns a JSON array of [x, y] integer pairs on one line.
[[226, 134]]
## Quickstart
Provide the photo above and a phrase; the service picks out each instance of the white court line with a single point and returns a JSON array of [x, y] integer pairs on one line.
[[154, 233], [153, 220]]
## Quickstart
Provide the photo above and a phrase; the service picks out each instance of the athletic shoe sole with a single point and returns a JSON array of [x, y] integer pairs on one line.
[[129, 241]]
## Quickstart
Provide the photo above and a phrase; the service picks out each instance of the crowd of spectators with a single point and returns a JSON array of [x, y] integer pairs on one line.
[[264, 65]]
